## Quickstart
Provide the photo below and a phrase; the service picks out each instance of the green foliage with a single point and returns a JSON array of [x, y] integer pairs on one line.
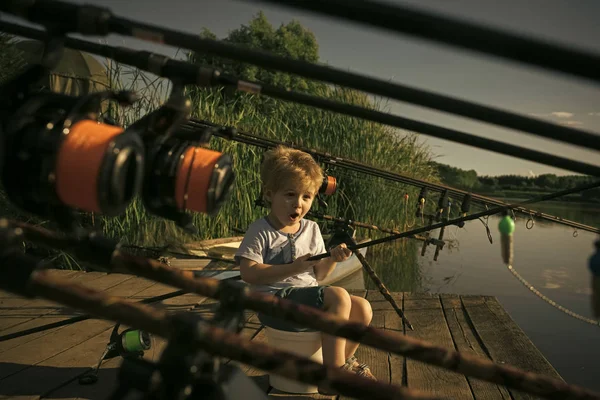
[[517, 185], [459, 178], [291, 41]]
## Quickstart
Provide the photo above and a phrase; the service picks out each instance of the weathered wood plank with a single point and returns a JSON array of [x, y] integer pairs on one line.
[[18, 310], [107, 375], [20, 358], [467, 342], [97, 280], [277, 394], [376, 359], [424, 311], [393, 322], [504, 341], [260, 377]]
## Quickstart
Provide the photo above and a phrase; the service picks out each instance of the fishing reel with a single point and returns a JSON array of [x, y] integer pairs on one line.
[[184, 175], [58, 157], [184, 371], [343, 232], [327, 188], [329, 185], [131, 343]]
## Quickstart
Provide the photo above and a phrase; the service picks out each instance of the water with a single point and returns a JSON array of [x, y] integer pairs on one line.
[[549, 257]]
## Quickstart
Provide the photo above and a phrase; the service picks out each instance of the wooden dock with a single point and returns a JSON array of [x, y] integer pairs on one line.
[[47, 364]]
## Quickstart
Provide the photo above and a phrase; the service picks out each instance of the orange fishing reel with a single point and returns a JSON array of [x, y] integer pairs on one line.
[[184, 175], [60, 159], [329, 185]]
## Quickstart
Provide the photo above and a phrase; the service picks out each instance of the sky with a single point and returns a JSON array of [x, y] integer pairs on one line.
[[433, 67]]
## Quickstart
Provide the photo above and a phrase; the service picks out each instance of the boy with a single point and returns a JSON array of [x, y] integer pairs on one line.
[[273, 255]]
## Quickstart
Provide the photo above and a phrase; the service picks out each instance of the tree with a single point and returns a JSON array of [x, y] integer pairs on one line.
[[290, 41]]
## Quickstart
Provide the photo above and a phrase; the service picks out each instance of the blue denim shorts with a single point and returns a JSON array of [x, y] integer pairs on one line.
[[312, 296]]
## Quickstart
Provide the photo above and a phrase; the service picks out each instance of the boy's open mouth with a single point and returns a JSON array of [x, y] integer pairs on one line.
[[294, 216]]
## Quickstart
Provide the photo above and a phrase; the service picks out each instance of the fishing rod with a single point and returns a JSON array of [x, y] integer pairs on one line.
[[188, 73], [449, 31], [350, 222], [371, 85], [21, 275], [191, 74], [461, 219], [333, 160]]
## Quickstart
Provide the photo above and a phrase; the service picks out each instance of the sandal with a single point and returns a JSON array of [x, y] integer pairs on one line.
[[351, 365], [326, 390], [361, 369]]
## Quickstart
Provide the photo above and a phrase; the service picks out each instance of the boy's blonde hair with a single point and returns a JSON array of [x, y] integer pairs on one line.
[[283, 164]]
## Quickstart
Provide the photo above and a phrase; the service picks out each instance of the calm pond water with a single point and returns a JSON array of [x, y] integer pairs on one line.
[[548, 256]]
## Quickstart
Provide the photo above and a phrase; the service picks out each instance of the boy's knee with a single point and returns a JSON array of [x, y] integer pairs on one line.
[[363, 306], [337, 296]]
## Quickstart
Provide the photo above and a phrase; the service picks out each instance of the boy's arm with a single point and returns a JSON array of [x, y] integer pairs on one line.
[[261, 274], [326, 265]]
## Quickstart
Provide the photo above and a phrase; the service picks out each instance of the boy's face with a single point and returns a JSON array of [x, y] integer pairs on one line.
[[290, 204]]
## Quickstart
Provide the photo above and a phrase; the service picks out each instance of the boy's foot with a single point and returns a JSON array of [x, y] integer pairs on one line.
[[360, 369], [351, 365]]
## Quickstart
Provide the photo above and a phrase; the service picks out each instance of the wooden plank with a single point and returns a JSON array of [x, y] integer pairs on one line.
[[55, 273], [277, 394], [504, 341], [467, 341], [260, 377], [22, 357], [425, 313], [107, 374], [377, 360], [96, 280], [18, 310], [393, 322]]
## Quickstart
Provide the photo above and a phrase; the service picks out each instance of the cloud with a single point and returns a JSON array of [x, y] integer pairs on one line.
[[571, 123], [594, 114], [562, 114]]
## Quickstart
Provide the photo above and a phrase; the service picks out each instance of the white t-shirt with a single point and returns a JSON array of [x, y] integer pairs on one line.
[[266, 245]]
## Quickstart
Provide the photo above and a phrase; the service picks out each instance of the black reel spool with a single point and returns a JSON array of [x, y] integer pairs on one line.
[[182, 176]]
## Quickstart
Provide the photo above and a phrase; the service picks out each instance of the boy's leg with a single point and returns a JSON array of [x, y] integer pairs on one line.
[[361, 312], [337, 301]]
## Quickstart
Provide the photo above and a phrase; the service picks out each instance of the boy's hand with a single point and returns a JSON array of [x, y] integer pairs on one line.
[[301, 265], [340, 253]]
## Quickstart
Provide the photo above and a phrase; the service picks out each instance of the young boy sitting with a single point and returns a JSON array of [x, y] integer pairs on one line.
[[273, 254]]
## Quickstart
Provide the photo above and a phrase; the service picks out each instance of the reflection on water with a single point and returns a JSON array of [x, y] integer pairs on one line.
[[548, 256]]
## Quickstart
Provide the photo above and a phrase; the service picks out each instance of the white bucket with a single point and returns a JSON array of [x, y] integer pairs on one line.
[[304, 344]]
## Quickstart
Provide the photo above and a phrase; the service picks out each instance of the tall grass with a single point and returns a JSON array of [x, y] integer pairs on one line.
[[359, 197]]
